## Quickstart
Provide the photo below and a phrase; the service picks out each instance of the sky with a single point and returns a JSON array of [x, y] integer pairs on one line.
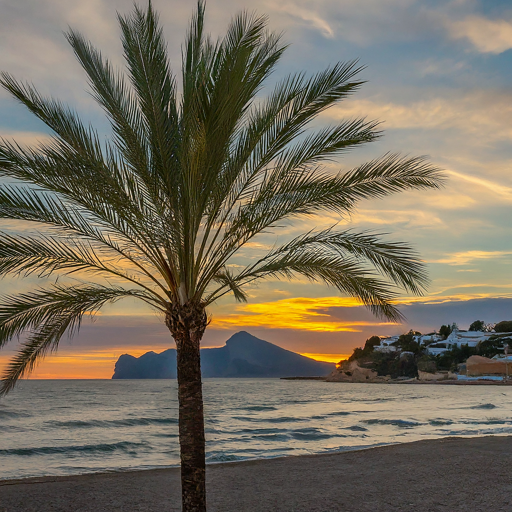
[[438, 78]]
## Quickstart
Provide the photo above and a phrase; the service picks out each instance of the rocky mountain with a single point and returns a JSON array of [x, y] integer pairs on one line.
[[243, 355]]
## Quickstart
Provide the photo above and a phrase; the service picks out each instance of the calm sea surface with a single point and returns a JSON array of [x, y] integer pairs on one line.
[[69, 427]]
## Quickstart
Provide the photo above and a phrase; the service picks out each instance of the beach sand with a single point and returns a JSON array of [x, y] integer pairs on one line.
[[452, 474]]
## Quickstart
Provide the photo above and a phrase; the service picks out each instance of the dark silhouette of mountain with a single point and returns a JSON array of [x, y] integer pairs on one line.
[[243, 355]]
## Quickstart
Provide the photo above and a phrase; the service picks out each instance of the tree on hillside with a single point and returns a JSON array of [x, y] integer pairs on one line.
[[407, 343], [359, 352], [477, 325], [186, 181], [445, 331]]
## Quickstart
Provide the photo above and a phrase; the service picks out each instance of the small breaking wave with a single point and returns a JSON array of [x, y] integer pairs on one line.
[[223, 457]]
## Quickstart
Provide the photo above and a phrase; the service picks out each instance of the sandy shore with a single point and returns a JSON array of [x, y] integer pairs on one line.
[[451, 474]]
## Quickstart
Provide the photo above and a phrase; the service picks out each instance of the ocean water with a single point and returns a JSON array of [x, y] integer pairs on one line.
[[70, 427]]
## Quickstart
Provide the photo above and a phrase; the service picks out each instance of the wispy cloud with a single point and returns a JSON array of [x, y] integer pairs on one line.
[[478, 113], [497, 188], [307, 15], [465, 257]]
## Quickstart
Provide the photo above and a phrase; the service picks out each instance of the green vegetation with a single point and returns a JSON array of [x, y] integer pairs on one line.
[[494, 345], [504, 326], [406, 342], [452, 358], [445, 331], [412, 357], [369, 345], [477, 325]]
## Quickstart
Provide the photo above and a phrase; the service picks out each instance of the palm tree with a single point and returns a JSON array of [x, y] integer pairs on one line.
[[188, 179]]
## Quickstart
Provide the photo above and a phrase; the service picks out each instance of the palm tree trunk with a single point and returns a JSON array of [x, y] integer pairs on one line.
[[187, 324]]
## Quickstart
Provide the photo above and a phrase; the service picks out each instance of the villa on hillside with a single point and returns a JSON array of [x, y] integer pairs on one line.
[[435, 344]]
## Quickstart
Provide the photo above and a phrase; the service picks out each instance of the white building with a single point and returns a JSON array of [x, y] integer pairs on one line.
[[436, 345], [436, 349], [386, 344]]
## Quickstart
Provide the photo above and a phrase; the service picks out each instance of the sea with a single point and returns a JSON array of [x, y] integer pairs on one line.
[[65, 427]]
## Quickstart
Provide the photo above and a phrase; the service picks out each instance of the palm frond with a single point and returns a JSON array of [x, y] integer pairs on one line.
[[272, 126], [34, 349], [227, 280], [347, 275], [396, 261], [48, 314], [155, 87], [45, 255], [29, 311]]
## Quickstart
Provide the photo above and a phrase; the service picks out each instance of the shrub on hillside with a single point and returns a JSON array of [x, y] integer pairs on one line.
[[493, 345], [427, 363], [450, 359], [505, 326]]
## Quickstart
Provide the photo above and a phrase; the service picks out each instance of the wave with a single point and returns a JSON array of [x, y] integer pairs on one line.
[[396, 423], [12, 414], [128, 422], [271, 437], [357, 428], [488, 421], [282, 419], [223, 457], [483, 406], [310, 434], [438, 423], [261, 408], [123, 446], [262, 430]]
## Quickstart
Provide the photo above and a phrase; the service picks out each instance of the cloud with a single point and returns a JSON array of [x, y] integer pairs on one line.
[[24, 138], [307, 15], [487, 36], [497, 188], [465, 257], [482, 114], [411, 218], [307, 314]]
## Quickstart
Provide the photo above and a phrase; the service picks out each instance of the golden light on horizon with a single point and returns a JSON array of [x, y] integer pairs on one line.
[[328, 358], [97, 364]]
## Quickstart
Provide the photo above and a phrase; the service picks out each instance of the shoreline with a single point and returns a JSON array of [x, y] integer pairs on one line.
[[448, 474], [411, 381]]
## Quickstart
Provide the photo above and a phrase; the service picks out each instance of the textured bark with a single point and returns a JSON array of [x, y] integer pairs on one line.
[[187, 324]]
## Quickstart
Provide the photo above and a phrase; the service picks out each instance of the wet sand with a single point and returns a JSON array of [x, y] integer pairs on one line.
[[452, 474]]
